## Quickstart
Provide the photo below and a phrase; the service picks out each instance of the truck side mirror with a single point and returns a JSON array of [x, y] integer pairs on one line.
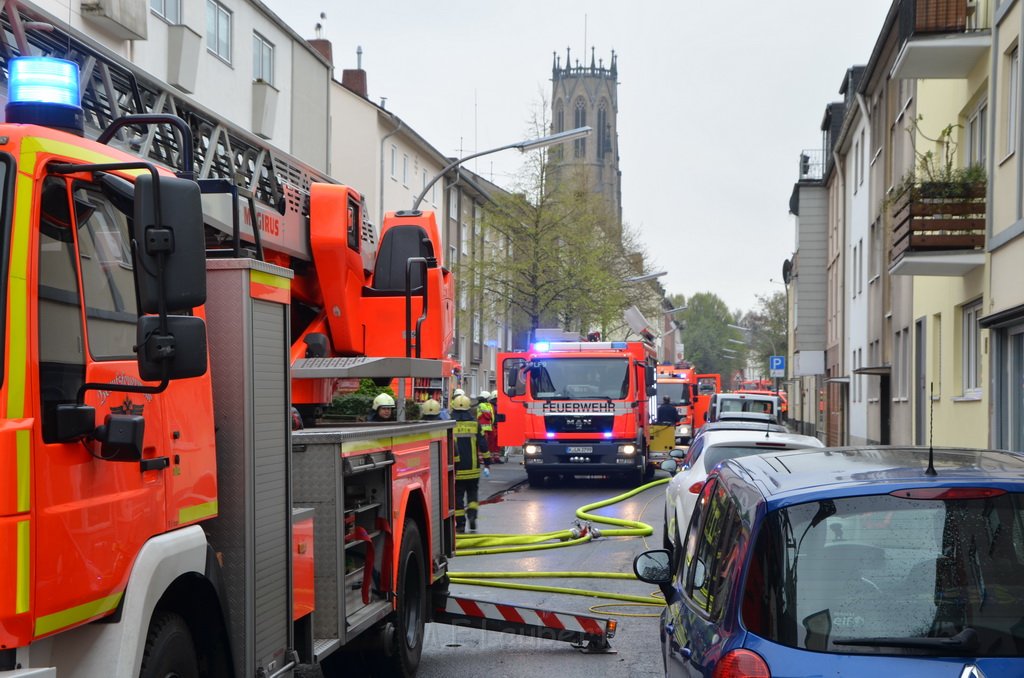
[[181, 350], [120, 436], [176, 238]]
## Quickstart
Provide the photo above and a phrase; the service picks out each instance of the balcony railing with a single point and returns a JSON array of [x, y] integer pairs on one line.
[[936, 218], [920, 17]]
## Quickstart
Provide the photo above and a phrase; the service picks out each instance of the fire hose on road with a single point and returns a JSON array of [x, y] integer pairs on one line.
[[582, 532]]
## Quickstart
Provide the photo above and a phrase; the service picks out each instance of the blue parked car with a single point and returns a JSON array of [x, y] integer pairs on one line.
[[849, 562]]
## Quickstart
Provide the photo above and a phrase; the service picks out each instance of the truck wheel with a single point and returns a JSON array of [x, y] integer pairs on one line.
[[169, 651], [403, 657]]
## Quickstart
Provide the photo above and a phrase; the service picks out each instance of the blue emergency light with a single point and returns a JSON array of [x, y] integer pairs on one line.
[[542, 347], [45, 91]]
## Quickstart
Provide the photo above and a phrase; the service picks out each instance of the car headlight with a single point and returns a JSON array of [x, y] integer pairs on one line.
[[684, 430], [628, 450], [531, 449]]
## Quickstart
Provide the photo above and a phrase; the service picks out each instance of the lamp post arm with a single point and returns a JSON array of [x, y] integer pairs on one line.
[[452, 165]]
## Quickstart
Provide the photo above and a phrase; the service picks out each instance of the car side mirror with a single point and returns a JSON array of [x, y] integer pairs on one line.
[[654, 566], [669, 465], [175, 242], [677, 453]]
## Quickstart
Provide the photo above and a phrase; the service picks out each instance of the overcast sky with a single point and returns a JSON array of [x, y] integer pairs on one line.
[[716, 101]]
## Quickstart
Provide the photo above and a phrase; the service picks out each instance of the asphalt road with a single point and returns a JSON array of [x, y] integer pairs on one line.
[[458, 652]]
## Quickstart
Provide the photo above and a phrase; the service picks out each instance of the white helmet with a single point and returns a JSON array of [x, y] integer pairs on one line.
[[458, 392], [430, 407], [484, 395], [460, 402], [383, 400]]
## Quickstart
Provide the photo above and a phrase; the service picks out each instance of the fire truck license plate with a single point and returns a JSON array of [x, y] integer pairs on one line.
[[580, 450]]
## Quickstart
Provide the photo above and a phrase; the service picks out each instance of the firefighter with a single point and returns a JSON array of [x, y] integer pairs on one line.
[[470, 448], [383, 408], [487, 415], [430, 409], [667, 412]]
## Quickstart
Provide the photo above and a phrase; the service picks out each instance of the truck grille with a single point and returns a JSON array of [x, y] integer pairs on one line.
[[589, 423]]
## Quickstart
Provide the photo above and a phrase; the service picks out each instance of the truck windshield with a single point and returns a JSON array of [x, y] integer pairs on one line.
[[677, 393], [580, 378]]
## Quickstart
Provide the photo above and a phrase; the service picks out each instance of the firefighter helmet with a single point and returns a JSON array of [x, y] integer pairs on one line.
[[458, 392], [484, 395], [430, 408], [383, 400], [460, 402]]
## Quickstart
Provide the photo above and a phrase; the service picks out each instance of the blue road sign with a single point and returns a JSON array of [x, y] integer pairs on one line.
[[777, 366]]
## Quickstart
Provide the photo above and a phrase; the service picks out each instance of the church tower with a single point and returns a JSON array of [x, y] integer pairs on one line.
[[581, 96]]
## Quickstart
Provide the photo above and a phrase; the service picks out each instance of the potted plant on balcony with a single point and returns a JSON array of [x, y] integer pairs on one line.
[[935, 175], [938, 205]]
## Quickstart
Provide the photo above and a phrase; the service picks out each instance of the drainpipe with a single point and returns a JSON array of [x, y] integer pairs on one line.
[[380, 203]]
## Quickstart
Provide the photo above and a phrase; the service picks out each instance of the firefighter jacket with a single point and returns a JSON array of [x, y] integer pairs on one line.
[[469, 445], [485, 416]]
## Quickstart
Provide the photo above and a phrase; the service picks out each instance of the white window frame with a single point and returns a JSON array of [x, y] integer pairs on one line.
[[856, 166], [261, 47], [1013, 100], [219, 13], [394, 162], [405, 169], [970, 349], [977, 136], [168, 10]]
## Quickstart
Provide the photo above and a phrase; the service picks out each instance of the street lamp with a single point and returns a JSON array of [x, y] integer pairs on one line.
[[645, 277], [523, 146]]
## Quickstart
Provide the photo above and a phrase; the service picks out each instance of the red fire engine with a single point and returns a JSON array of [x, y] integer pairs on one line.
[[151, 481], [578, 408]]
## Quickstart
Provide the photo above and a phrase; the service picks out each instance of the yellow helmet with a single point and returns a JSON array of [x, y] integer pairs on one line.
[[430, 408], [460, 402], [383, 400]]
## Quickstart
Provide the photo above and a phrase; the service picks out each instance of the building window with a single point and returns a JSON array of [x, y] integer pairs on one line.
[[853, 273], [580, 120], [971, 349], [405, 169], [262, 59], [167, 9], [604, 144], [1012, 101], [902, 367], [976, 135], [863, 153], [1011, 388], [218, 30], [394, 161], [453, 205], [856, 165], [424, 186], [860, 266]]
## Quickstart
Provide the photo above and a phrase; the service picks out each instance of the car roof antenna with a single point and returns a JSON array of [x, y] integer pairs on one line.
[[930, 471]]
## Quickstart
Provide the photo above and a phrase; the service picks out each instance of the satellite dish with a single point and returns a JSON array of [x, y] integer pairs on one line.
[[787, 271]]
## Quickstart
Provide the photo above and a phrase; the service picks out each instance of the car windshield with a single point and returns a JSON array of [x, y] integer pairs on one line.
[[744, 405], [716, 454], [678, 394], [580, 378], [891, 575]]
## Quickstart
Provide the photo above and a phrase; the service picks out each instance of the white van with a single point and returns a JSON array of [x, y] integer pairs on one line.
[[745, 406]]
